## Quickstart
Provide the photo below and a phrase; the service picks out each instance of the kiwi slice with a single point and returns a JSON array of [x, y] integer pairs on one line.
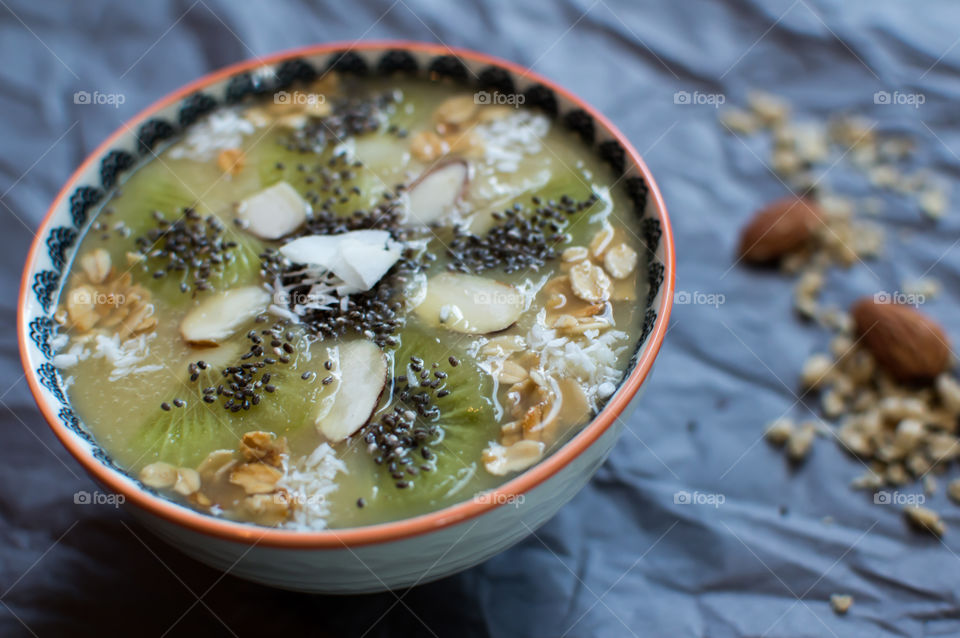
[[321, 177], [228, 256], [183, 436], [189, 426], [454, 431]]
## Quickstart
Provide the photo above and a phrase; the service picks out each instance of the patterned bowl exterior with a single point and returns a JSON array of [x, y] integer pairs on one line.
[[379, 557]]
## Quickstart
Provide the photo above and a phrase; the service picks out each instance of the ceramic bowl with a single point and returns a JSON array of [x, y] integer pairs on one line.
[[378, 557]]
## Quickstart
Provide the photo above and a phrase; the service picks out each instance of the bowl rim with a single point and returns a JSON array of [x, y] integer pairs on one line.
[[347, 538]]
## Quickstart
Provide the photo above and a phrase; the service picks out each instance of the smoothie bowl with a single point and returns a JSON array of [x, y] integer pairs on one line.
[[352, 317]]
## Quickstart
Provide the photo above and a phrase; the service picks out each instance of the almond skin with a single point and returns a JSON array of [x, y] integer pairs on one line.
[[905, 343], [778, 229]]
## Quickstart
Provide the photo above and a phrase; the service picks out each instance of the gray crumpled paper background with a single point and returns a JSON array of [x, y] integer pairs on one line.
[[623, 558]]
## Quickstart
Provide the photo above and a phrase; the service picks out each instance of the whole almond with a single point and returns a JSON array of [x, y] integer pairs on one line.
[[905, 343], [779, 228]]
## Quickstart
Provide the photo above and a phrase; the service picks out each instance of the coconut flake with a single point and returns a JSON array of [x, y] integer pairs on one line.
[[358, 259], [218, 132], [310, 482]]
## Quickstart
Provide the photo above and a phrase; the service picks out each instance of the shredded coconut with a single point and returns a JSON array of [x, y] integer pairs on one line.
[[309, 482], [126, 357], [593, 361], [508, 140], [220, 131]]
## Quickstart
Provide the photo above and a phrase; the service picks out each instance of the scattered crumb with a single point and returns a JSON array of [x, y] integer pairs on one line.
[[925, 519], [841, 603]]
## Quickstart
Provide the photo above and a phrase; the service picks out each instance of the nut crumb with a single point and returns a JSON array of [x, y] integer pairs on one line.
[[841, 603]]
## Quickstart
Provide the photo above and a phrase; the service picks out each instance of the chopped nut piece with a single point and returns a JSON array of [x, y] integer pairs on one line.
[[800, 441], [96, 265], [511, 373], [263, 446], [575, 254], [456, 111], [589, 282], [841, 602], [953, 490], [500, 460], [231, 160], [620, 261], [926, 519], [929, 485], [816, 371], [427, 146], [81, 304], [214, 461], [770, 109], [740, 121], [601, 241], [256, 478], [779, 431], [268, 509], [159, 475], [188, 481]]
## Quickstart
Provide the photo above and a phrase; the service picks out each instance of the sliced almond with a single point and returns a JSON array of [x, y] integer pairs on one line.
[[470, 304], [363, 376], [220, 314], [434, 194]]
